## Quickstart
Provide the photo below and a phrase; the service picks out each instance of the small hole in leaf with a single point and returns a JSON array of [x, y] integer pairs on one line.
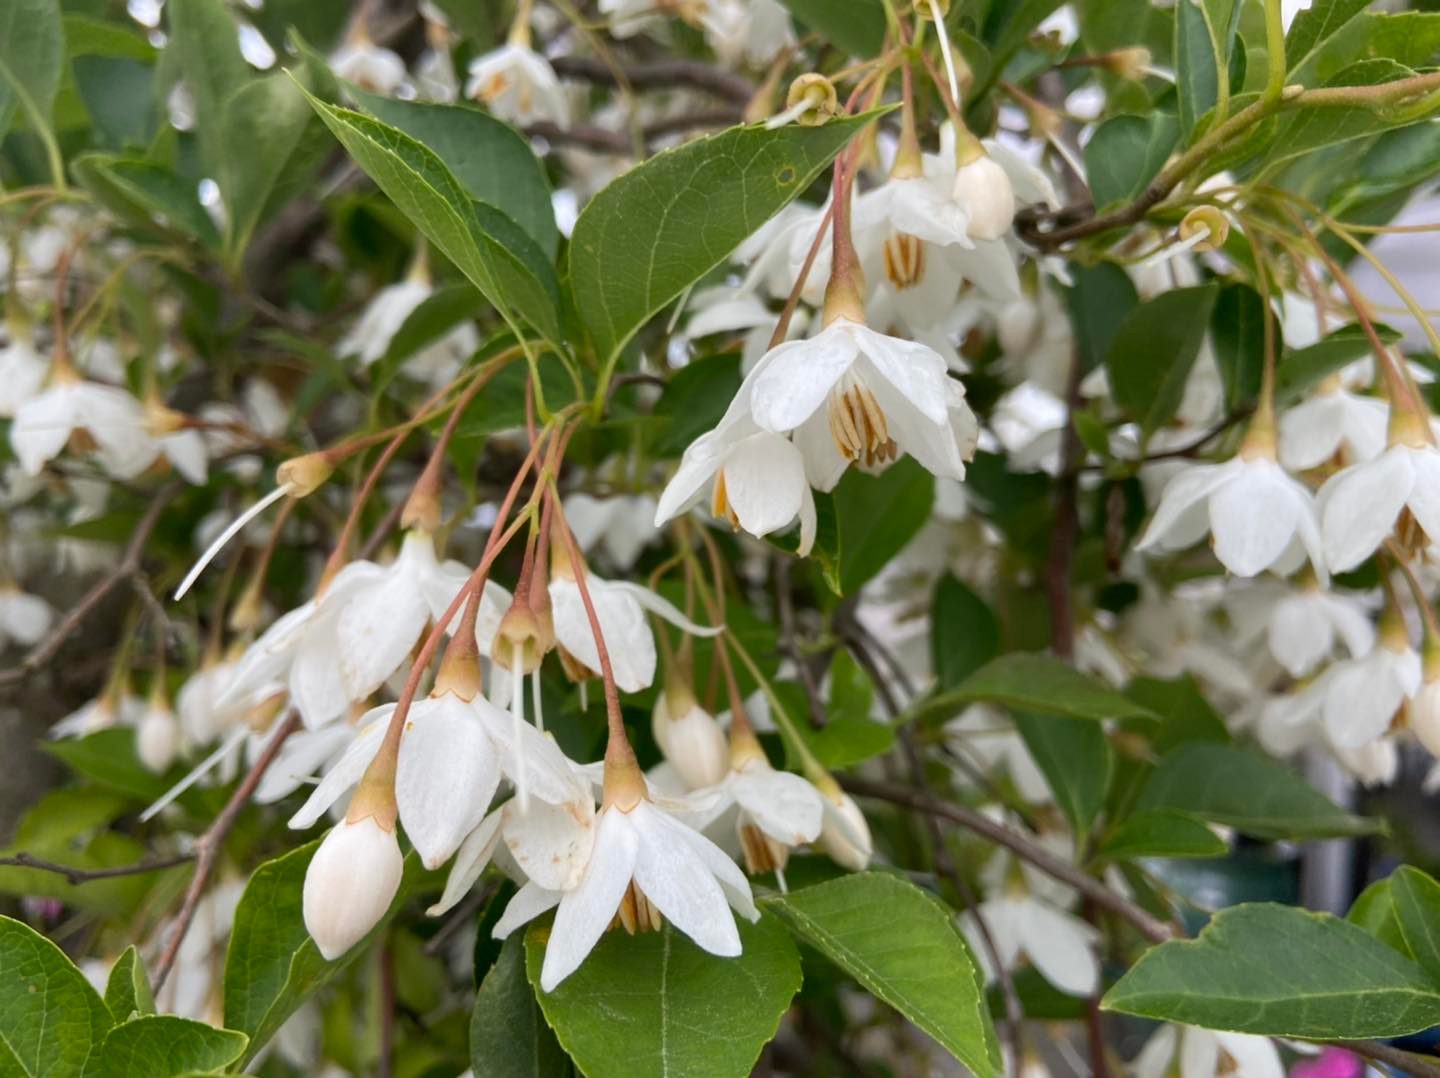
[[785, 176]]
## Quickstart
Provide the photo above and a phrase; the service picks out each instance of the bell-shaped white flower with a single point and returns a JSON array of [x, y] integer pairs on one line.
[[775, 810], [844, 833], [1423, 713], [689, 736], [368, 65], [1361, 505], [752, 31], [984, 189], [1205, 1053], [350, 883], [116, 706], [1258, 516], [22, 371], [1332, 420], [644, 866], [1304, 627], [157, 735], [517, 84], [109, 418], [620, 609], [619, 525], [369, 338], [1362, 696], [852, 394], [24, 618]]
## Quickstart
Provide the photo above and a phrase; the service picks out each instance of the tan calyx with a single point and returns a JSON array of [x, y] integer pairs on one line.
[[459, 674], [523, 638], [858, 425], [305, 473]]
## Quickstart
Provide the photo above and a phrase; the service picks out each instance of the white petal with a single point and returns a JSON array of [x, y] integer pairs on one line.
[[796, 376], [376, 631], [1059, 944], [786, 807], [1359, 506], [551, 843], [445, 778], [42, 427], [1199, 1053], [674, 877], [765, 483], [732, 881], [1424, 500], [663, 607], [1173, 525], [302, 754], [1254, 516], [1255, 1057], [1298, 638], [529, 903], [915, 371], [585, 912], [470, 860], [347, 770]]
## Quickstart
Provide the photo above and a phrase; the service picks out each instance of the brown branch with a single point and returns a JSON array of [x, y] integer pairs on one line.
[[127, 569], [657, 75], [75, 875], [603, 140], [208, 845]]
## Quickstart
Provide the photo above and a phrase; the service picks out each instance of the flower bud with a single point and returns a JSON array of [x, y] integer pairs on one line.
[[1207, 220], [157, 735], [304, 474], [1132, 63], [689, 737], [523, 638], [844, 834], [350, 883], [983, 188], [812, 100]]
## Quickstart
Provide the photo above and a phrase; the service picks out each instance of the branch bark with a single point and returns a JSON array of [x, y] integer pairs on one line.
[[658, 75], [74, 875]]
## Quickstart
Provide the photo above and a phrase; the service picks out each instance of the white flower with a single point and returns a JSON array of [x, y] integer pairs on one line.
[[619, 525], [369, 338], [750, 30], [1360, 505], [984, 189], [1205, 1053], [1303, 628], [844, 834], [775, 811], [644, 865], [368, 65], [112, 418], [1058, 944], [1333, 419], [157, 736], [689, 737], [350, 883], [1424, 716], [24, 618], [620, 609], [852, 394], [982, 733], [517, 84], [1258, 516], [1362, 696], [202, 717], [22, 372]]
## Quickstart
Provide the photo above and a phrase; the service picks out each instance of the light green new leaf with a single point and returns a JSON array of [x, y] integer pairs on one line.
[[1076, 760], [163, 1046], [1027, 681], [655, 1004], [489, 248], [1161, 833], [32, 58], [1150, 357], [1417, 907], [1100, 299], [508, 1034], [51, 1020], [663, 225], [1281, 972], [1249, 792], [492, 160], [904, 949], [127, 992], [877, 516], [1126, 152]]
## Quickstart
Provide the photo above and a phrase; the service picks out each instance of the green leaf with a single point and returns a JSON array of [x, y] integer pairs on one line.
[[86, 36], [1100, 300], [108, 757], [1204, 41], [1237, 332], [127, 992], [1027, 681], [147, 194], [877, 515], [32, 59], [1314, 26], [695, 399], [1152, 352], [1417, 907], [489, 248], [1281, 972], [119, 94], [1008, 23], [666, 223], [1076, 760], [903, 948], [205, 42], [655, 1004], [1310, 129], [1375, 912], [857, 26], [1249, 792], [490, 159], [50, 1018], [508, 1034], [1184, 712], [1125, 154], [162, 1045], [1297, 371], [964, 632], [1161, 833]]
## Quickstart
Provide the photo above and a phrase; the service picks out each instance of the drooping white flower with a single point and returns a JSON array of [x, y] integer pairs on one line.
[[22, 371], [689, 736], [1204, 1053], [1303, 628], [1362, 696], [157, 735], [1258, 516], [1333, 419], [517, 84], [369, 338], [750, 30], [24, 618], [984, 189], [844, 834], [619, 525], [368, 65], [644, 866], [116, 706], [112, 419], [350, 883], [1360, 505], [773, 810]]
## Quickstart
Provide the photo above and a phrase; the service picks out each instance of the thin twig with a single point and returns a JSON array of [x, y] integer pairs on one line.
[[75, 875], [658, 74], [208, 845]]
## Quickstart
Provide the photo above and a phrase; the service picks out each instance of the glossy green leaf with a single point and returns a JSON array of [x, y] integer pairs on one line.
[[109, 758], [1309, 129], [1237, 334], [1204, 41], [1249, 792], [147, 194], [1185, 714], [1303, 368], [695, 398], [964, 632], [902, 946], [1126, 152], [490, 159], [1375, 912], [508, 1034], [654, 1004], [1161, 833], [1075, 758], [663, 225], [51, 1020], [32, 59], [877, 516], [1417, 907], [127, 992], [1314, 26], [489, 248], [1100, 299], [164, 1046], [205, 43], [1027, 681], [1284, 972], [856, 26], [1150, 357]]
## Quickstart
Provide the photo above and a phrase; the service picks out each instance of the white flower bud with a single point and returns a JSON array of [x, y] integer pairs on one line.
[[844, 833], [157, 738], [692, 741], [983, 188], [1425, 716], [350, 884]]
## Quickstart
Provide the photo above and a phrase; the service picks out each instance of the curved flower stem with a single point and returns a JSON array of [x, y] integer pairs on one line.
[[1274, 50]]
